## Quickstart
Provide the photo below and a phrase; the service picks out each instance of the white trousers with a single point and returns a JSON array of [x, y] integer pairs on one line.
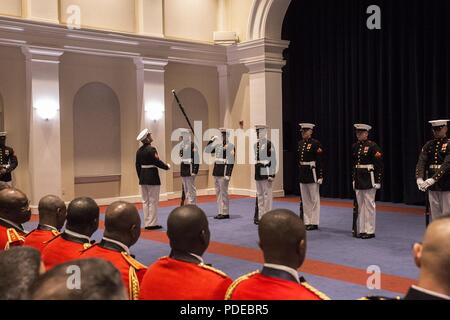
[[366, 210], [150, 197], [189, 190], [223, 202], [439, 203], [310, 193], [265, 196]]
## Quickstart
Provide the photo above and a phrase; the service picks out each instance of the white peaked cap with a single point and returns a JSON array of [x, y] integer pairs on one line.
[[306, 125], [362, 126], [143, 135], [439, 123]]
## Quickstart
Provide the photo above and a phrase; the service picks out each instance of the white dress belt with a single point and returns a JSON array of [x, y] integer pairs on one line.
[[365, 166], [310, 163], [148, 166]]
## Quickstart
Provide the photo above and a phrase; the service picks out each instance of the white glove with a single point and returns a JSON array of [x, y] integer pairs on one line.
[[168, 165], [270, 179], [428, 183], [353, 185], [420, 183], [320, 181], [377, 186], [227, 178], [193, 174]]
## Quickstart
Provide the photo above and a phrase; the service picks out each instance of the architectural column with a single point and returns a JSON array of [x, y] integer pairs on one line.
[[265, 86], [42, 90], [151, 92], [224, 96]]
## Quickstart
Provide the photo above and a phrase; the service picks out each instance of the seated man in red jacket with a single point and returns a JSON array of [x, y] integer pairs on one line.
[[82, 222], [282, 239], [14, 210], [183, 275], [122, 230], [52, 215]]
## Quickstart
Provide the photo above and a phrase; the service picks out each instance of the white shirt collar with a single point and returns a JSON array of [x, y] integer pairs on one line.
[[432, 293], [198, 257], [13, 224], [77, 235], [120, 244], [289, 270], [51, 227]]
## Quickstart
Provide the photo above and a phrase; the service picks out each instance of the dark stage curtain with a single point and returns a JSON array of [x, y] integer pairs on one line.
[[339, 72]]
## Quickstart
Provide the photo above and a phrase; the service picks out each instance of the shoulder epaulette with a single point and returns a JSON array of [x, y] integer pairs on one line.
[[133, 262], [237, 282], [318, 293], [217, 271], [14, 238]]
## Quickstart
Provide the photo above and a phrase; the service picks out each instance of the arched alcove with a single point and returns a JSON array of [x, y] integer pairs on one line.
[[196, 108], [97, 147], [266, 19]]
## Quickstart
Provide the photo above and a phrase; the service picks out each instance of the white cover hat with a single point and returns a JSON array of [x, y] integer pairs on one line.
[[362, 126], [143, 135]]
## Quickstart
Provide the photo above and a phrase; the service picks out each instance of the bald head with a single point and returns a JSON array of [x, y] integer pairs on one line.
[[14, 206], [187, 229], [82, 216], [282, 238], [122, 223], [52, 211], [433, 256]]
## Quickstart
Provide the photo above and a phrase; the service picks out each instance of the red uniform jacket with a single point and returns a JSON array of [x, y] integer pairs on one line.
[[63, 248], [10, 237], [39, 238], [256, 286], [170, 279], [132, 270]]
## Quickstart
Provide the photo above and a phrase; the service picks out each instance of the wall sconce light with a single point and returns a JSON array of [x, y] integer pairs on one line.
[[154, 111], [46, 109]]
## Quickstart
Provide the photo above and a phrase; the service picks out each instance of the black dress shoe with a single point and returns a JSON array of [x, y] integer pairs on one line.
[[308, 227], [222, 216], [153, 228], [314, 227], [256, 222], [368, 236], [360, 235]]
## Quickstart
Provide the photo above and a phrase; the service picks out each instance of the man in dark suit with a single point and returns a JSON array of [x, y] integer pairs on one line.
[[147, 164], [8, 160], [432, 257]]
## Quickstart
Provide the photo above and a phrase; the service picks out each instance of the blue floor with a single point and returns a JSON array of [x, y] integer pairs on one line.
[[333, 243]]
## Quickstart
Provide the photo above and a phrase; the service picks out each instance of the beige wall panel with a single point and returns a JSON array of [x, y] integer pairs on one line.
[[193, 19], [98, 190], [119, 75], [117, 15], [12, 89], [239, 11], [45, 10], [11, 7]]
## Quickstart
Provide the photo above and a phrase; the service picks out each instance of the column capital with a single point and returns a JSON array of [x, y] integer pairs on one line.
[[262, 64], [262, 55], [150, 64], [42, 54], [223, 70]]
